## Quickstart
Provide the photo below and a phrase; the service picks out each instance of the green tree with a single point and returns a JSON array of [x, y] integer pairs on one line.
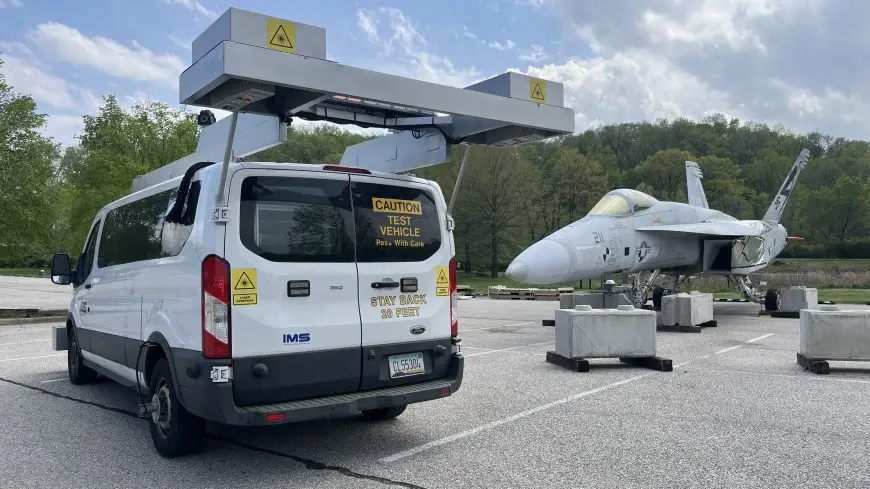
[[26, 178], [116, 146]]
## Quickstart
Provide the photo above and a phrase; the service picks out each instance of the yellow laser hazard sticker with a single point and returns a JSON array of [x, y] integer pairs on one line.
[[442, 281], [245, 280], [281, 35], [244, 299], [397, 206], [538, 90]]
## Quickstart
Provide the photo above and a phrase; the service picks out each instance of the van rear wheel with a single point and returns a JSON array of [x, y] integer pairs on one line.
[[174, 430], [384, 413]]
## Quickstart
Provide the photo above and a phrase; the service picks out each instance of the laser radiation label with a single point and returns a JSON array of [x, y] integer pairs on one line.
[[244, 282], [281, 35]]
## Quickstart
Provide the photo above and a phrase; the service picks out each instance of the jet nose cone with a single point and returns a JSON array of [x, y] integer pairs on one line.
[[545, 262], [517, 271]]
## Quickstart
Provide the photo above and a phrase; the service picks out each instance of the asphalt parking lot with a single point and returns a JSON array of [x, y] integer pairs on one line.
[[737, 411]]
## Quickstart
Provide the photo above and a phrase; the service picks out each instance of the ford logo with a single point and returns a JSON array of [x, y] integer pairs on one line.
[[418, 330]]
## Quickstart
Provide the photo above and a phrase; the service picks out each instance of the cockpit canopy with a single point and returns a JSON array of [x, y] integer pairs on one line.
[[622, 202]]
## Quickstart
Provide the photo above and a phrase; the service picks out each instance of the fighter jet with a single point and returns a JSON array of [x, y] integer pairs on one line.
[[630, 231]]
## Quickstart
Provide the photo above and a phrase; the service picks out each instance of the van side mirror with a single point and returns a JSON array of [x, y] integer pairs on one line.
[[61, 271]]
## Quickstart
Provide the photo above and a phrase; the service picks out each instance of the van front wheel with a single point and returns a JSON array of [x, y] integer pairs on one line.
[[79, 373], [384, 413], [174, 430]]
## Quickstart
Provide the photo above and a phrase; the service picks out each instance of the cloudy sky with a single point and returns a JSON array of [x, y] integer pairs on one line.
[[798, 63]]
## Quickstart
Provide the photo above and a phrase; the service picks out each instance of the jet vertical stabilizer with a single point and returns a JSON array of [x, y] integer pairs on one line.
[[774, 212], [695, 190]]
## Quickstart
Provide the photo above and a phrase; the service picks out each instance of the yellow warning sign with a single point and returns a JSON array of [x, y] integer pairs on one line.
[[245, 280], [442, 291], [538, 90], [244, 299], [442, 277], [281, 35], [397, 206]]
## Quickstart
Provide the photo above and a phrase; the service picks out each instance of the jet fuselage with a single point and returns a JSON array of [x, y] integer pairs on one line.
[[598, 245]]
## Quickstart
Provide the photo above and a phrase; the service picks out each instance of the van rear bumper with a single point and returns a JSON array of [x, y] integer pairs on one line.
[[214, 401]]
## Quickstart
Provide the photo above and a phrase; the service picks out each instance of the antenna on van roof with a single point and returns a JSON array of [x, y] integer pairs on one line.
[[267, 71]]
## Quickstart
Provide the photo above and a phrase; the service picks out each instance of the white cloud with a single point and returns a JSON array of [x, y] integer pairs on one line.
[[405, 51], [635, 85], [535, 54], [195, 6], [13, 3], [531, 3], [367, 21], [467, 33], [64, 129], [107, 55], [36, 80], [184, 44], [783, 62], [507, 46]]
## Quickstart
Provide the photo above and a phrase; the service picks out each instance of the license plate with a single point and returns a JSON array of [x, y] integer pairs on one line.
[[405, 365]]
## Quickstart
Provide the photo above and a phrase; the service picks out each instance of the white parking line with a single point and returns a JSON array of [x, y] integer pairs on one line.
[[753, 340], [529, 412], [32, 358], [465, 330], [515, 417], [53, 380], [487, 352]]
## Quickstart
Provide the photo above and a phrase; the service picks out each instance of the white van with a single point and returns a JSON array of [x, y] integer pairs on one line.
[[329, 291]]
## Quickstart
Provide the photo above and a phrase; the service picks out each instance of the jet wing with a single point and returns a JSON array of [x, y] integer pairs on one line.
[[720, 228]]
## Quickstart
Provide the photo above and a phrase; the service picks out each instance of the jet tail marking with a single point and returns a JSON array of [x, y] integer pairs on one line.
[[693, 185], [774, 212]]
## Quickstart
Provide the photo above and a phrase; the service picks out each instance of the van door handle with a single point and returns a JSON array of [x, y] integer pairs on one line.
[[88, 286], [385, 285]]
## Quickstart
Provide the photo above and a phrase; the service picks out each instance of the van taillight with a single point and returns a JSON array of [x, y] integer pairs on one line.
[[454, 320], [216, 332]]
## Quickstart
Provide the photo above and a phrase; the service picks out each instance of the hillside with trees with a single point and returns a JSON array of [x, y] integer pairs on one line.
[[510, 198]]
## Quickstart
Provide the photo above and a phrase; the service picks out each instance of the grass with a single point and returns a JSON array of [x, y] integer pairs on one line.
[[22, 272], [797, 265], [840, 296]]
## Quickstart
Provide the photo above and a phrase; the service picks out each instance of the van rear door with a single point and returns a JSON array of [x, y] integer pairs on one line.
[[295, 330], [403, 251]]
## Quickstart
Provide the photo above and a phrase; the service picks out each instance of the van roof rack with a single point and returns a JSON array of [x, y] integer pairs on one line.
[[268, 71]]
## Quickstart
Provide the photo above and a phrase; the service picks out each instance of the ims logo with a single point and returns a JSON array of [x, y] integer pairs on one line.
[[296, 338]]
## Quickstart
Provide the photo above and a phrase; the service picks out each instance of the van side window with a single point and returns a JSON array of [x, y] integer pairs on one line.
[[288, 219], [136, 231], [90, 251], [395, 223]]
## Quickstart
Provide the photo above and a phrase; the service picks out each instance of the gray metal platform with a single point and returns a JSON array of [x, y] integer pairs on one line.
[[238, 65]]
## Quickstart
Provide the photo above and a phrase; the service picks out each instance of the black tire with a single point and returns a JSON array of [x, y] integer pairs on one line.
[[771, 300], [658, 293], [174, 430], [384, 414], [79, 373]]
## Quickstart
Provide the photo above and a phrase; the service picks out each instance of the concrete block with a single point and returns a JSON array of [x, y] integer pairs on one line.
[[59, 338], [598, 300], [686, 309], [833, 334], [794, 299], [605, 333]]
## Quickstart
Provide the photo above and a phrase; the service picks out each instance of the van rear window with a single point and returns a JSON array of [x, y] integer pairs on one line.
[[395, 223], [286, 219]]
